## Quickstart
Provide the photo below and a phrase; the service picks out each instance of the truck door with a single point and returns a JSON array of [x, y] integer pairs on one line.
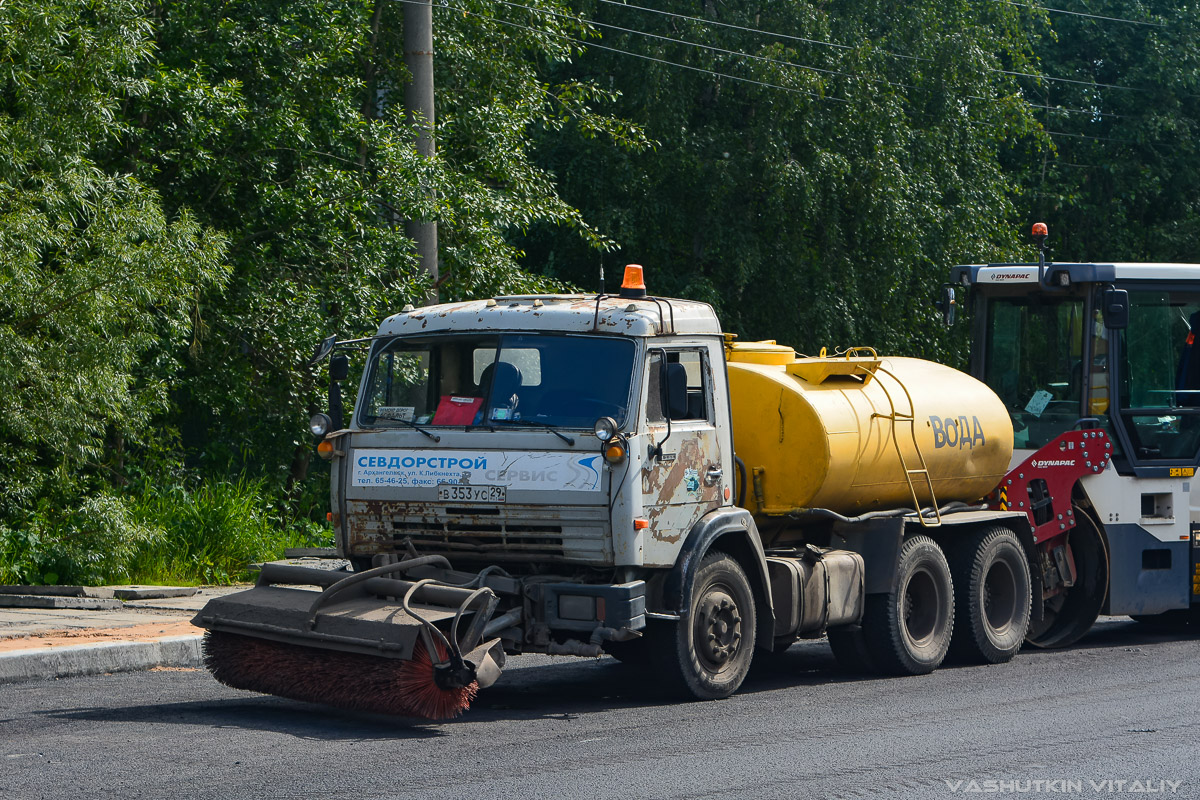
[[685, 476]]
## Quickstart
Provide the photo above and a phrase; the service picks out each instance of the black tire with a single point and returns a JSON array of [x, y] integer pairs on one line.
[[992, 599], [849, 647], [908, 631], [707, 654]]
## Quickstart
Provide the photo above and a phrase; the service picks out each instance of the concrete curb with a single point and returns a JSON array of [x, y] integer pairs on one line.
[[95, 659]]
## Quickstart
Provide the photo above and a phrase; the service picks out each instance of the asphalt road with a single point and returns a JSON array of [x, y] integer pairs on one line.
[[1115, 714]]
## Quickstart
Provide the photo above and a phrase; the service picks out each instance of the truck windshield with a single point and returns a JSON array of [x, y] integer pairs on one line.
[[557, 380], [1033, 361]]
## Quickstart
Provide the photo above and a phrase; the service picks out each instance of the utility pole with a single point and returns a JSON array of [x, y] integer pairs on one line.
[[418, 104]]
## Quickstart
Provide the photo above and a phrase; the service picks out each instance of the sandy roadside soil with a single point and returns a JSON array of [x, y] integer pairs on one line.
[[134, 633]]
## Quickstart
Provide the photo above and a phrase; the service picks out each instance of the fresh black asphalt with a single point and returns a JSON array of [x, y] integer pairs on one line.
[[1122, 705]]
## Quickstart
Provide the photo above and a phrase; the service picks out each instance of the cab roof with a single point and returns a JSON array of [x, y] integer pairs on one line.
[[563, 313], [971, 274]]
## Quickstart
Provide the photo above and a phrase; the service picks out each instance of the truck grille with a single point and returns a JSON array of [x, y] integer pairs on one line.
[[505, 533]]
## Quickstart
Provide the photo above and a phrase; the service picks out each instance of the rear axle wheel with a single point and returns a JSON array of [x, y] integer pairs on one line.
[[992, 597], [908, 631]]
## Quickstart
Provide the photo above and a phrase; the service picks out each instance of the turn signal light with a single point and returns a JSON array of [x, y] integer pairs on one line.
[[641, 524], [614, 453], [325, 449]]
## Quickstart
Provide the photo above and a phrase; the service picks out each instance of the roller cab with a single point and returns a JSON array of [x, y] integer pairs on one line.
[[1105, 349]]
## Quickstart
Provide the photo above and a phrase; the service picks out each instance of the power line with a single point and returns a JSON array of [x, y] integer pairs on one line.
[[1081, 14], [981, 124], [711, 72], [1068, 80], [1063, 109], [713, 48], [703, 21], [714, 73], [746, 29], [583, 43], [1092, 138]]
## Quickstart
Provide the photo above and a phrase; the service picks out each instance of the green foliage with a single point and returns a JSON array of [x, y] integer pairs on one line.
[[1120, 176], [210, 534], [277, 124], [192, 194], [85, 545], [164, 535], [823, 209], [97, 282]]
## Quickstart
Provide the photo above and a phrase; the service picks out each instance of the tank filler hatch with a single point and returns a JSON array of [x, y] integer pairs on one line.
[[855, 363]]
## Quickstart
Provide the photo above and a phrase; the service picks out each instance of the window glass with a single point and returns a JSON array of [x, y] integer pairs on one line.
[[688, 390], [554, 380], [1034, 362], [1161, 372], [654, 389], [1158, 367], [526, 359], [399, 387]]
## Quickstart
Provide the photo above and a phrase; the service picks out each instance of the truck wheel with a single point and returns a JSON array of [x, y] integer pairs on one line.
[[992, 601], [908, 631], [707, 654]]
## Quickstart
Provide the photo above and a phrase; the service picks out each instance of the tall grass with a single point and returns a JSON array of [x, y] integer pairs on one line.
[[160, 535], [211, 534]]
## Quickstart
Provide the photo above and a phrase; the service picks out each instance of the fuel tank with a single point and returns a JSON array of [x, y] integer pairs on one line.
[[844, 432]]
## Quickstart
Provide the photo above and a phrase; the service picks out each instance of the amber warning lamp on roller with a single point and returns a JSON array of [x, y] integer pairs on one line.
[[633, 287], [1040, 232]]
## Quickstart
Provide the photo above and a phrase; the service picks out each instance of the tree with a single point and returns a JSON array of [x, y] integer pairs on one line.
[[815, 185], [98, 283], [277, 124], [1120, 177]]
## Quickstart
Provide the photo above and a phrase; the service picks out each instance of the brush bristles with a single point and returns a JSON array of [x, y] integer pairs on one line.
[[417, 685], [347, 680]]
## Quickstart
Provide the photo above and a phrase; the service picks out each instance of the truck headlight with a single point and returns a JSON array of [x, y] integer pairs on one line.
[[320, 424], [606, 428]]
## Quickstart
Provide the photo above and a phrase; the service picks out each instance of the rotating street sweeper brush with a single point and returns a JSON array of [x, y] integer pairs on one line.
[[361, 641]]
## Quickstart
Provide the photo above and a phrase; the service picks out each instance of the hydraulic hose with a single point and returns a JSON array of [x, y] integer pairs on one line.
[[829, 514]]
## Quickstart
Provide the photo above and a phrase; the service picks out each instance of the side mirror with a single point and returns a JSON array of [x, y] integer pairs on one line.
[[339, 367], [323, 349], [947, 303], [1116, 309]]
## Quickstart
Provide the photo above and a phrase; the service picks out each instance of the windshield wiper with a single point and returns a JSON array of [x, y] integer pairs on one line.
[[535, 424], [415, 427]]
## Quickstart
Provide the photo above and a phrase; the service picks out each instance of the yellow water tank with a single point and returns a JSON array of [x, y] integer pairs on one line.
[[844, 432]]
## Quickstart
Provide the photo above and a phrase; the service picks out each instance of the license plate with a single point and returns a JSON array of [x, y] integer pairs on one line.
[[459, 493]]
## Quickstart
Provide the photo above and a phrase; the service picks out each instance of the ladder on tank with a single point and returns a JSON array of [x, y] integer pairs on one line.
[[923, 470]]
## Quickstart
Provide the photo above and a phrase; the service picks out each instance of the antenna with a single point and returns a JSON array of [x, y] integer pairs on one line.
[[602, 273]]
